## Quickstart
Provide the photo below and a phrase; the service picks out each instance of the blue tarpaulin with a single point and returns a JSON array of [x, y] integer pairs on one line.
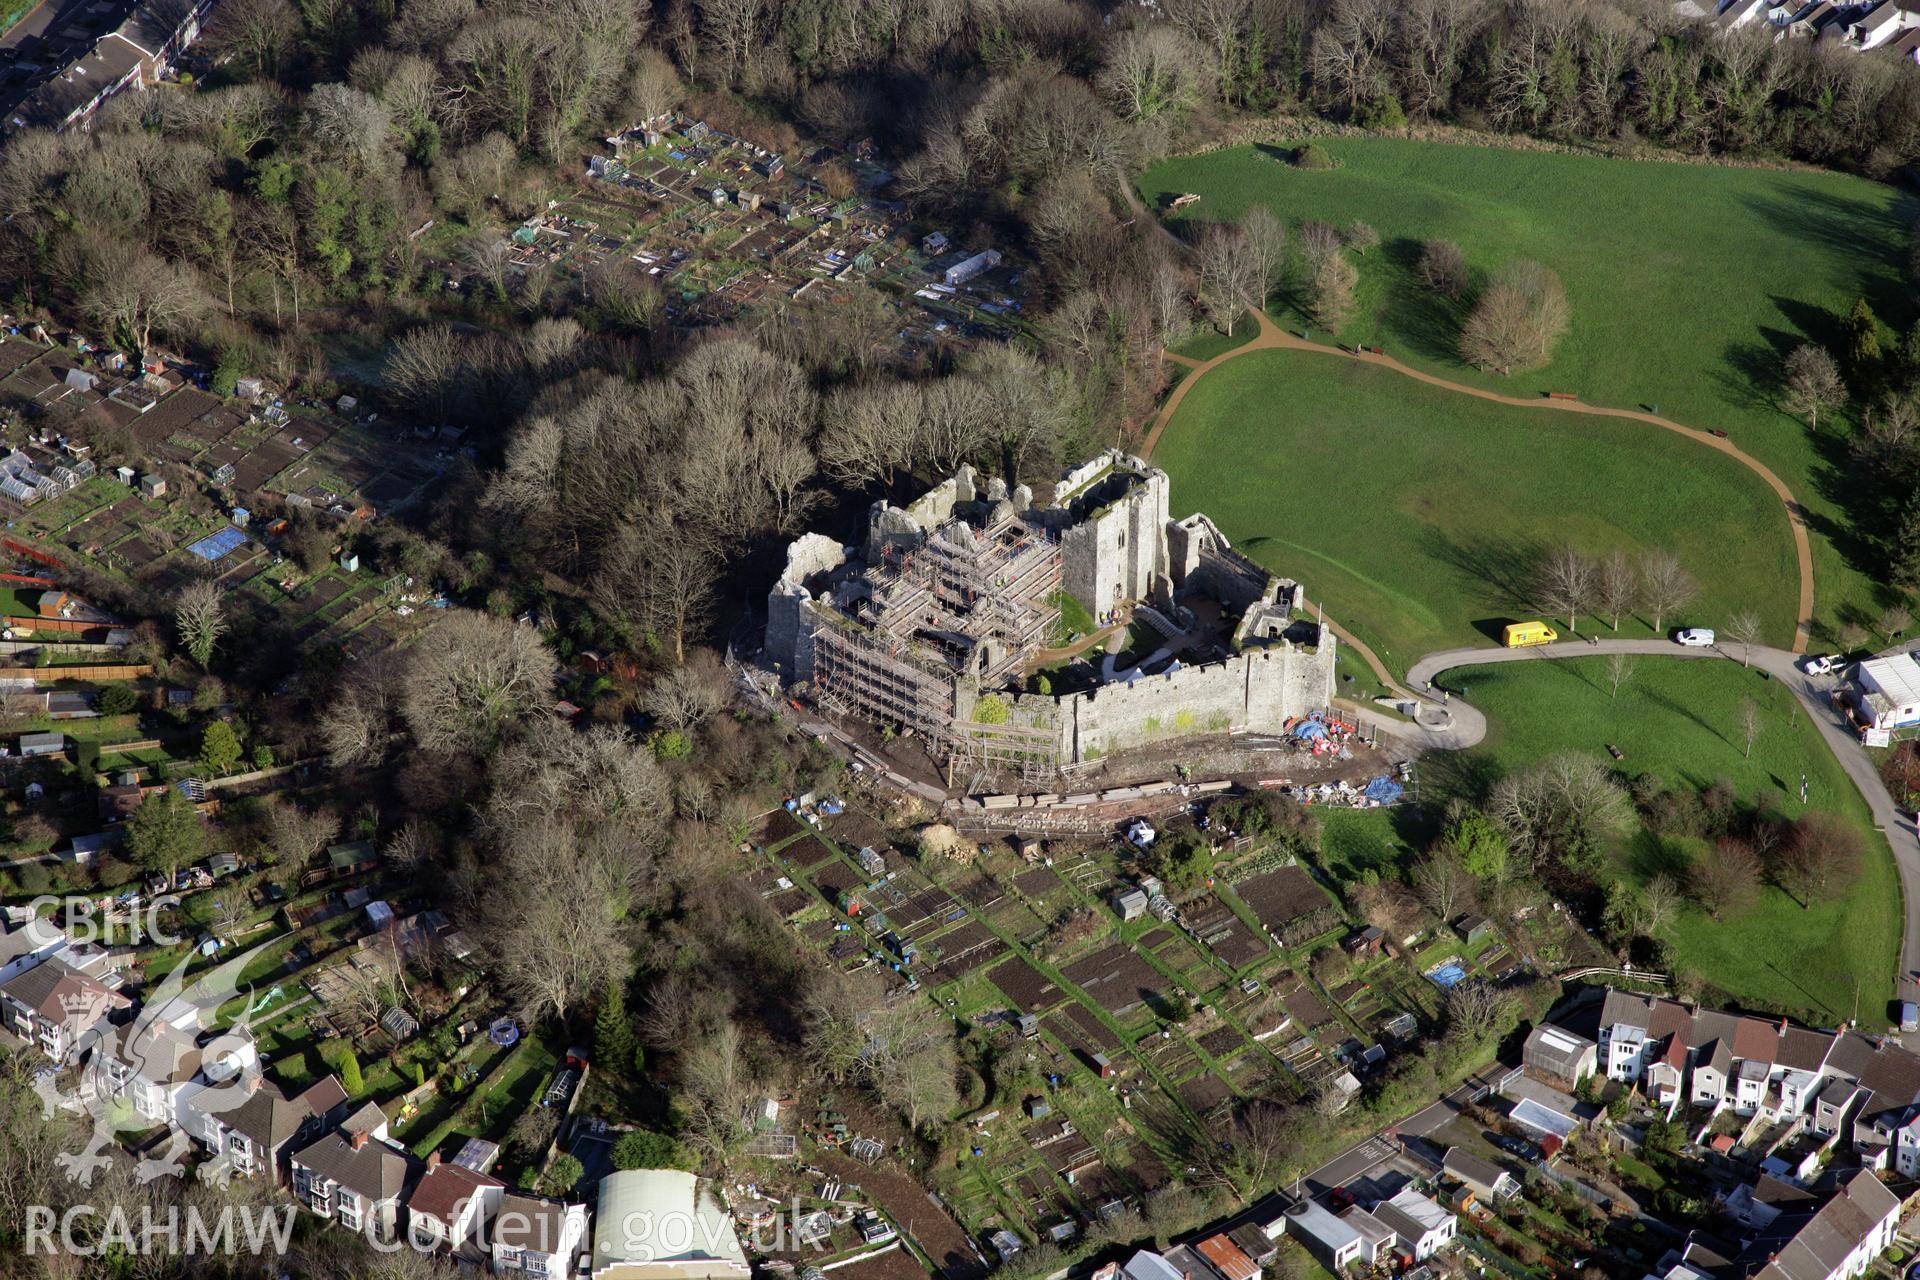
[[1446, 975], [1384, 790], [1307, 729]]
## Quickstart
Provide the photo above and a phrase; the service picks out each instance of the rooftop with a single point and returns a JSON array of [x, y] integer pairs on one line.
[[1898, 677]]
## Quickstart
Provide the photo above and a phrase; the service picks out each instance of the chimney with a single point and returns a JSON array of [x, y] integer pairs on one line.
[[433, 1161], [358, 1140]]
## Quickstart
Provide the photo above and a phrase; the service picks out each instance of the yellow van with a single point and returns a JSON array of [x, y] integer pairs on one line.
[[1519, 635]]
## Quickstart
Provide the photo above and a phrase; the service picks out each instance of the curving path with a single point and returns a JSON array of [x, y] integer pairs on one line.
[[1471, 726], [1273, 338]]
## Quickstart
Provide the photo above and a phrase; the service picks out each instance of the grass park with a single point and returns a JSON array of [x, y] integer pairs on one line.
[[1376, 492], [1638, 244], [1677, 720]]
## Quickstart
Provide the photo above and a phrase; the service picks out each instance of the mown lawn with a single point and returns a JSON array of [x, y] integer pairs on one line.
[[1676, 719], [1688, 283], [1411, 513]]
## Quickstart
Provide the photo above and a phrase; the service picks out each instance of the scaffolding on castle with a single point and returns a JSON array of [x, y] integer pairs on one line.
[[965, 605], [870, 675]]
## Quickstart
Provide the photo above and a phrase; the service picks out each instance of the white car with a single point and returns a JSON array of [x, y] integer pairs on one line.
[[1694, 638], [1822, 665]]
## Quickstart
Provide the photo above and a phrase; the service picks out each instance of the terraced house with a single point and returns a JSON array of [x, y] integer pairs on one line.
[[1836, 1089], [256, 1132], [56, 1007]]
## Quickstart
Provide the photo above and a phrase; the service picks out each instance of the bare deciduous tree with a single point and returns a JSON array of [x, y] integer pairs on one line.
[[294, 835], [472, 676], [256, 33], [685, 696], [1559, 805], [1476, 1008], [1813, 384], [1150, 72], [423, 371], [1616, 588], [1665, 587], [1660, 904], [1822, 856], [1267, 242], [1564, 583], [1443, 268], [1619, 671], [230, 909], [1744, 630], [658, 577], [1232, 275], [200, 617], [552, 919], [1520, 315], [358, 725], [1725, 878], [137, 292], [1348, 55], [1750, 721], [350, 123], [1442, 883], [1318, 241], [1333, 286]]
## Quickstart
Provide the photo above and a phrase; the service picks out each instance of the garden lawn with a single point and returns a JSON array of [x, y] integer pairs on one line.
[[1410, 513], [1688, 283], [499, 1098], [1676, 719], [1356, 841]]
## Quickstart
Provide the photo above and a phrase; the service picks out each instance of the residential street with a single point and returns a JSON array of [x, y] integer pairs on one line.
[[1470, 727]]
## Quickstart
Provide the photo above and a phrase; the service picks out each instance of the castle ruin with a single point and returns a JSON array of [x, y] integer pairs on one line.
[[949, 620]]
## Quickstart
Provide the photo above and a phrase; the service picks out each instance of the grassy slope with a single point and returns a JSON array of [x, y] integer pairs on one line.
[[1676, 719], [1405, 510], [1688, 283]]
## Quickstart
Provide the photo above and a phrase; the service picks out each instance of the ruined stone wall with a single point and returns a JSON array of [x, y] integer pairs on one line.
[[789, 631], [1257, 691], [1119, 552], [1202, 560]]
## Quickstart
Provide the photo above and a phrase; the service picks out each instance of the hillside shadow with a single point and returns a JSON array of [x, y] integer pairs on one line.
[[1666, 703], [1650, 854], [1446, 774], [1856, 232], [1752, 375], [1503, 569], [1429, 323]]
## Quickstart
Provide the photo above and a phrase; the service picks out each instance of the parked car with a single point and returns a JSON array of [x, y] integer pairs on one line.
[[1694, 637], [1822, 664], [1517, 1147], [1340, 1199]]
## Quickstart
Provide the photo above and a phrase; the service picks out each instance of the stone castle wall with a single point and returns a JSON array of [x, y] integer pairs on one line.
[[1120, 552], [1257, 691]]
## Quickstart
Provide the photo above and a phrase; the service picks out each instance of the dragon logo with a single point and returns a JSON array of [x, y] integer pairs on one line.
[[156, 1070]]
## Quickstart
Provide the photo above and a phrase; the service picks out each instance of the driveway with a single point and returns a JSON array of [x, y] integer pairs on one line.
[[1813, 691]]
